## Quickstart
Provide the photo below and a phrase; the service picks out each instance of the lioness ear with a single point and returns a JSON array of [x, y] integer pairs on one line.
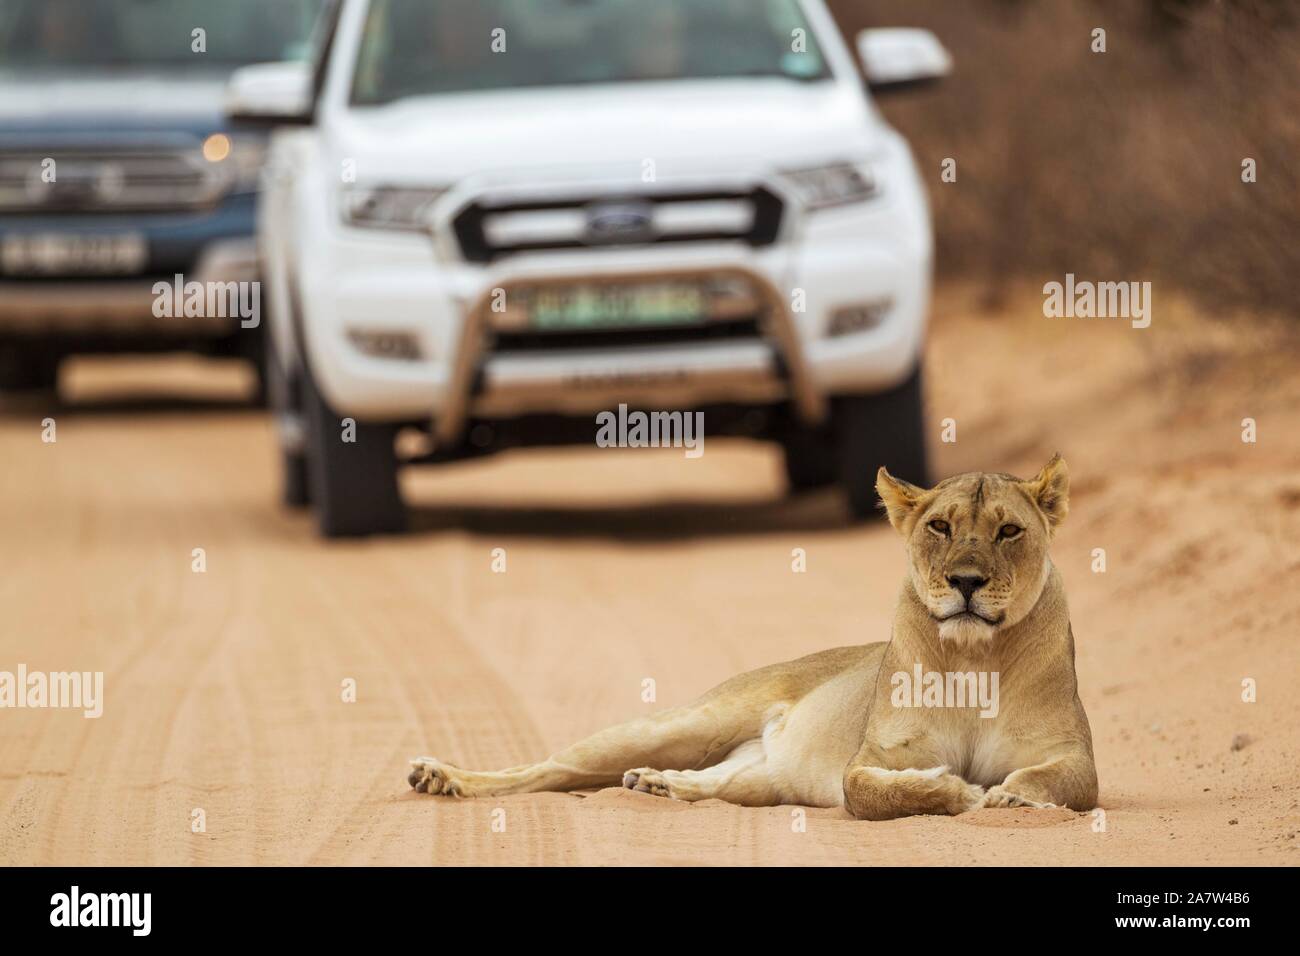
[[1050, 489], [900, 498]]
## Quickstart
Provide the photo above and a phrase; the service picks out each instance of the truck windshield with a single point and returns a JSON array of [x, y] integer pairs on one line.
[[421, 47], [153, 33]]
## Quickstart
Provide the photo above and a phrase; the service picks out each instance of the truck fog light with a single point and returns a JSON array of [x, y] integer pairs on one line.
[[858, 318], [402, 346]]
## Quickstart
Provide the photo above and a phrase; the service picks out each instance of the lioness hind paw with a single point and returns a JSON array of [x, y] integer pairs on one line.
[[1000, 797], [428, 775], [646, 780]]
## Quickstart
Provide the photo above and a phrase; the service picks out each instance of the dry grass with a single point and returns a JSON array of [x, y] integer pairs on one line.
[[1122, 165]]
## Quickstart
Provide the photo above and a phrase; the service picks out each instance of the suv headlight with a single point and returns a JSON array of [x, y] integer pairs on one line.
[[839, 184], [238, 157], [388, 207]]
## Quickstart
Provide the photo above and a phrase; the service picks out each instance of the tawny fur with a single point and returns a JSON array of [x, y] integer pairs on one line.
[[824, 731]]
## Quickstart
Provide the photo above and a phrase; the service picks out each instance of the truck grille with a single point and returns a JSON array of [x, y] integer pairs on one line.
[[748, 329], [487, 231], [106, 180]]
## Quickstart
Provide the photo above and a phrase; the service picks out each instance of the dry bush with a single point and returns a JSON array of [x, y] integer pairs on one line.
[[1122, 165]]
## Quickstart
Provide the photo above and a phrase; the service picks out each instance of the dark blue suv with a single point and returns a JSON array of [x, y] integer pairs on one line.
[[122, 191]]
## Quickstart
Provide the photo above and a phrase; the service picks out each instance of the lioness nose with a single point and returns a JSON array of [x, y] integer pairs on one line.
[[967, 584]]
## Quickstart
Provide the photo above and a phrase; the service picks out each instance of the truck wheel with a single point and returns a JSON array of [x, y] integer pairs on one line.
[[28, 369], [352, 483], [882, 429], [809, 460]]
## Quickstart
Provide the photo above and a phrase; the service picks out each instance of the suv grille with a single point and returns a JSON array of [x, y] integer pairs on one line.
[[488, 231], [106, 180]]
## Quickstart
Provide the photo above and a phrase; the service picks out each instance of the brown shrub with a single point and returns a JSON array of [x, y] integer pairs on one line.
[[1122, 165]]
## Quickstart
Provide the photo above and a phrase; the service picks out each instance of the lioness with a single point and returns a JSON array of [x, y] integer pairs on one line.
[[981, 596]]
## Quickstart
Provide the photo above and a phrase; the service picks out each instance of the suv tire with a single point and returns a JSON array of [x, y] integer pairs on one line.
[[27, 368]]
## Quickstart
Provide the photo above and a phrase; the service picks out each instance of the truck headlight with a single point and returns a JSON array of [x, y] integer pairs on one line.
[[388, 207], [839, 184]]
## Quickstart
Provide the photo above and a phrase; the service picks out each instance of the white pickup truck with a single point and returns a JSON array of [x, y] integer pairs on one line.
[[489, 221]]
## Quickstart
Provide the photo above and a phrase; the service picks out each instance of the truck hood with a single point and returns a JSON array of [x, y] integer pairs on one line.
[[113, 101], [683, 127]]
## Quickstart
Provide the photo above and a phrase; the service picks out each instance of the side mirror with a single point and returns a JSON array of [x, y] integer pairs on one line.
[[896, 57], [270, 94]]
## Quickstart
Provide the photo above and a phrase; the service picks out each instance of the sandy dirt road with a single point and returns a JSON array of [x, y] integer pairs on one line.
[[223, 688]]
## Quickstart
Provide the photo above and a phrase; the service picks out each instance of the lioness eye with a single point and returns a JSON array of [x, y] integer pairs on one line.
[[939, 527], [1009, 531]]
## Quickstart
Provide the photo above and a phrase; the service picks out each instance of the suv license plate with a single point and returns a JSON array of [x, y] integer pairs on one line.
[[62, 254]]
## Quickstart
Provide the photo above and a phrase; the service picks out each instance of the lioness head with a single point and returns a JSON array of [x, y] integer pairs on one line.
[[977, 544]]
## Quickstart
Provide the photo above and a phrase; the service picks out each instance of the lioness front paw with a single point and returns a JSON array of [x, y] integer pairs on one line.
[[429, 775], [649, 781], [971, 797], [1000, 796]]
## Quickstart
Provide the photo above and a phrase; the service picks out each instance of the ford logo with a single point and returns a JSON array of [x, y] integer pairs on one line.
[[620, 222]]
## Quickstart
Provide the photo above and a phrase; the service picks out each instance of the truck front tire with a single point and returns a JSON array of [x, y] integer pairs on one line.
[[351, 471], [810, 459], [886, 429]]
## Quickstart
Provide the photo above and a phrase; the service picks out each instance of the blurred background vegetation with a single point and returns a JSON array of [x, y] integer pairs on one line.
[[1125, 165]]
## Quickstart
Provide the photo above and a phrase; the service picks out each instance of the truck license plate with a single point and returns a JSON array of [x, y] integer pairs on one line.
[[617, 306]]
